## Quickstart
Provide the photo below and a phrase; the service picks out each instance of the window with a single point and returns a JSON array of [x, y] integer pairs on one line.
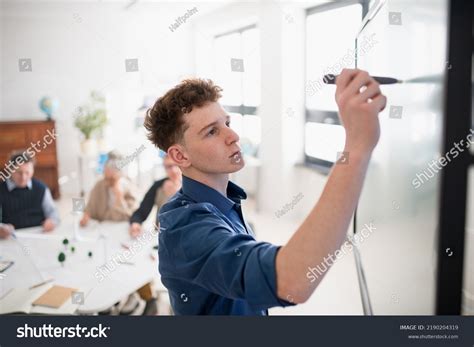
[[331, 30], [237, 71]]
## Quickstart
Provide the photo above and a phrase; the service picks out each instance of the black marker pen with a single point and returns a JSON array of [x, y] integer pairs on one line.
[[331, 79]]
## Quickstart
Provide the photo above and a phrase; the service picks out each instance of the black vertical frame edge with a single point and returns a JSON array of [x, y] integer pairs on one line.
[[453, 187]]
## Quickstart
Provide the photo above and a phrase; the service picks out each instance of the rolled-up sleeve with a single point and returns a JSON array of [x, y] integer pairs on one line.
[[212, 255]]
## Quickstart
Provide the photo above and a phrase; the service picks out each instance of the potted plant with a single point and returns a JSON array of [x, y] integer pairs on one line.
[[90, 118]]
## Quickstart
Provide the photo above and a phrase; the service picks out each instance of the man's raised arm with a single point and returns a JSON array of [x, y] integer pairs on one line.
[[324, 230]]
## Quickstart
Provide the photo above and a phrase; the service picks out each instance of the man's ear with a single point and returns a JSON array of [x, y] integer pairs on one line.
[[178, 154]]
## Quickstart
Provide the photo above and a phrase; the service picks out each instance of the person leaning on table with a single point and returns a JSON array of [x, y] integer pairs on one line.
[[157, 195], [25, 201], [208, 257]]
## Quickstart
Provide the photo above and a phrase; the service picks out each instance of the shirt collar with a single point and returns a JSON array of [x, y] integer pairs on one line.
[[203, 193], [11, 185]]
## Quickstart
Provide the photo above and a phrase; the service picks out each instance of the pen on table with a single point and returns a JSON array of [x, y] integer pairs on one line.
[[125, 262], [41, 283], [331, 79], [6, 293]]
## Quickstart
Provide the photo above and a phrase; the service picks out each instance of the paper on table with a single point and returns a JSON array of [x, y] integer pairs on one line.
[[19, 300], [55, 297]]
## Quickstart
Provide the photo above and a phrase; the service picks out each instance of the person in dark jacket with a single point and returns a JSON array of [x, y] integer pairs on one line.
[[25, 201], [157, 195]]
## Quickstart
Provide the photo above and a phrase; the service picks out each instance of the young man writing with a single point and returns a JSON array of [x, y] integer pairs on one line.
[[208, 258]]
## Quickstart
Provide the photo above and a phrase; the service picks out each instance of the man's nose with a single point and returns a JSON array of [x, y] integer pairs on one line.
[[231, 136]]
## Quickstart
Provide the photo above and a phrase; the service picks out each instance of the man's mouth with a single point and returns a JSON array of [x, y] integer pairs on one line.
[[236, 157], [234, 154]]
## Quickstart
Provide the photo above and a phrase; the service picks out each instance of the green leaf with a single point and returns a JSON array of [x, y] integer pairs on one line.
[[61, 257]]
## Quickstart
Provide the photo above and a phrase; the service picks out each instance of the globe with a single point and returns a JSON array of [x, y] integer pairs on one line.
[[49, 105]]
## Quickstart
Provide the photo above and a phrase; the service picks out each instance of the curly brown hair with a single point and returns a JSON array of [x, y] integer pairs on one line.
[[165, 122]]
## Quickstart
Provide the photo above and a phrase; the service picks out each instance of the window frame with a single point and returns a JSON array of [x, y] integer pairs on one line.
[[320, 115], [241, 109]]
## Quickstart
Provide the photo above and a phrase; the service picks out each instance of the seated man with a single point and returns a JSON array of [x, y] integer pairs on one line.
[[25, 201], [157, 195], [113, 197]]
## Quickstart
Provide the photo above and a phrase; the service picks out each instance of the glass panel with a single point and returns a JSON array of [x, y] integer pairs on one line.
[[329, 53], [401, 187], [323, 141], [472, 99], [468, 285]]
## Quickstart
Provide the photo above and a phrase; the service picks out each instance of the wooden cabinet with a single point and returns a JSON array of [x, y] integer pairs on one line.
[[40, 138]]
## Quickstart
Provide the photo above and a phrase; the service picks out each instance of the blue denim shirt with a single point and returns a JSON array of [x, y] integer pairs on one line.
[[208, 257]]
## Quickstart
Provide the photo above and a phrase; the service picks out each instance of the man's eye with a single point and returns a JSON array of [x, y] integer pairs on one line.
[[211, 132], [227, 123]]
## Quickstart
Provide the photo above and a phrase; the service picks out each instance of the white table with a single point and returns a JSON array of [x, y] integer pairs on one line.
[[35, 254]]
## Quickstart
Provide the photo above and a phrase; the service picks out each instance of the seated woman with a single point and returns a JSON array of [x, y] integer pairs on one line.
[[113, 197], [157, 195], [25, 201]]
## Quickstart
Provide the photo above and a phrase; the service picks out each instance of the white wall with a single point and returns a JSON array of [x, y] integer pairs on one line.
[[76, 47]]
